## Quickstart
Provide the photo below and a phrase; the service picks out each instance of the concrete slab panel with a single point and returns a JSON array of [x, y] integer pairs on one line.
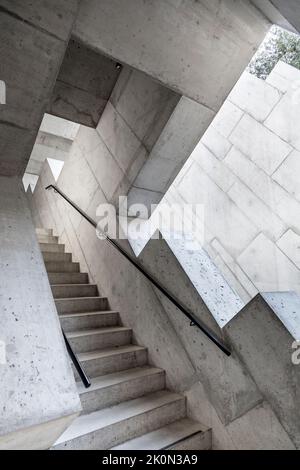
[[267, 267], [288, 173], [284, 119], [265, 148], [52, 16], [254, 96]]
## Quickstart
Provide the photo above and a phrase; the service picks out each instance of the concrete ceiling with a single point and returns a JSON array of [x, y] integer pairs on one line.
[[33, 38], [84, 85], [54, 140]]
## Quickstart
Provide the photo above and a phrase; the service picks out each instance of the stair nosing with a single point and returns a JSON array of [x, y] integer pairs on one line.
[[77, 285], [97, 331], [99, 312], [81, 298]]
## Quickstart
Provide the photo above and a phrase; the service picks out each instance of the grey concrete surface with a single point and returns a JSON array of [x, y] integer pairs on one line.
[[290, 10], [84, 85], [219, 392], [35, 39], [199, 49], [38, 393], [260, 338]]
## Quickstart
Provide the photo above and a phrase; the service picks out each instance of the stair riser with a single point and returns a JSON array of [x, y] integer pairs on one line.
[[89, 321], [47, 239], [100, 341], [84, 304], [52, 247], [128, 429], [68, 278], [99, 399], [56, 257], [55, 267], [200, 441], [114, 363], [74, 291]]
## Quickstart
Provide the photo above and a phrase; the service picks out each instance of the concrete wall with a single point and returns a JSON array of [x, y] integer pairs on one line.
[[54, 140], [177, 140], [97, 171], [34, 36], [220, 391], [245, 172], [290, 10], [38, 396], [119, 147], [198, 48], [83, 86]]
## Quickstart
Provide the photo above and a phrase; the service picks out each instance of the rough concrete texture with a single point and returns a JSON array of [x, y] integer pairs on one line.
[[184, 129], [37, 382], [268, 8], [197, 48], [54, 140], [260, 338], [84, 85], [131, 125], [245, 173], [35, 38], [128, 292], [290, 10], [228, 394]]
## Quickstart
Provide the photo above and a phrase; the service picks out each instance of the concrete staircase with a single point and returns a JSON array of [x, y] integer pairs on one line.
[[127, 406]]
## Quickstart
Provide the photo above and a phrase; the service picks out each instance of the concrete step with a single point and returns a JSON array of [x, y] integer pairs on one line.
[[111, 360], [44, 231], [99, 338], [61, 267], [111, 426], [52, 247], [68, 278], [47, 239], [56, 257], [183, 434], [81, 304], [111, 389], [63, 291], [85, 320]]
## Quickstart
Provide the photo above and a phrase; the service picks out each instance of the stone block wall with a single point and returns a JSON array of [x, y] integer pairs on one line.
[[245, 170]]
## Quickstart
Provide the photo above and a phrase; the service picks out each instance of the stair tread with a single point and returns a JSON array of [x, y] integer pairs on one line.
[[100, 353], [82, 314], [164, 437], [91, 422], [96, 331], [107, 380]]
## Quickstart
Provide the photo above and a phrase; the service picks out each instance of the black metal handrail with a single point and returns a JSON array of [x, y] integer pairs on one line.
[[76, 362], [193, 319]]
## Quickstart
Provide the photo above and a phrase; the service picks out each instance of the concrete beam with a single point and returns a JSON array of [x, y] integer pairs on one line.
[[290, 10], [84, 85], [197, 48], [273, 14], [34, 38]]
